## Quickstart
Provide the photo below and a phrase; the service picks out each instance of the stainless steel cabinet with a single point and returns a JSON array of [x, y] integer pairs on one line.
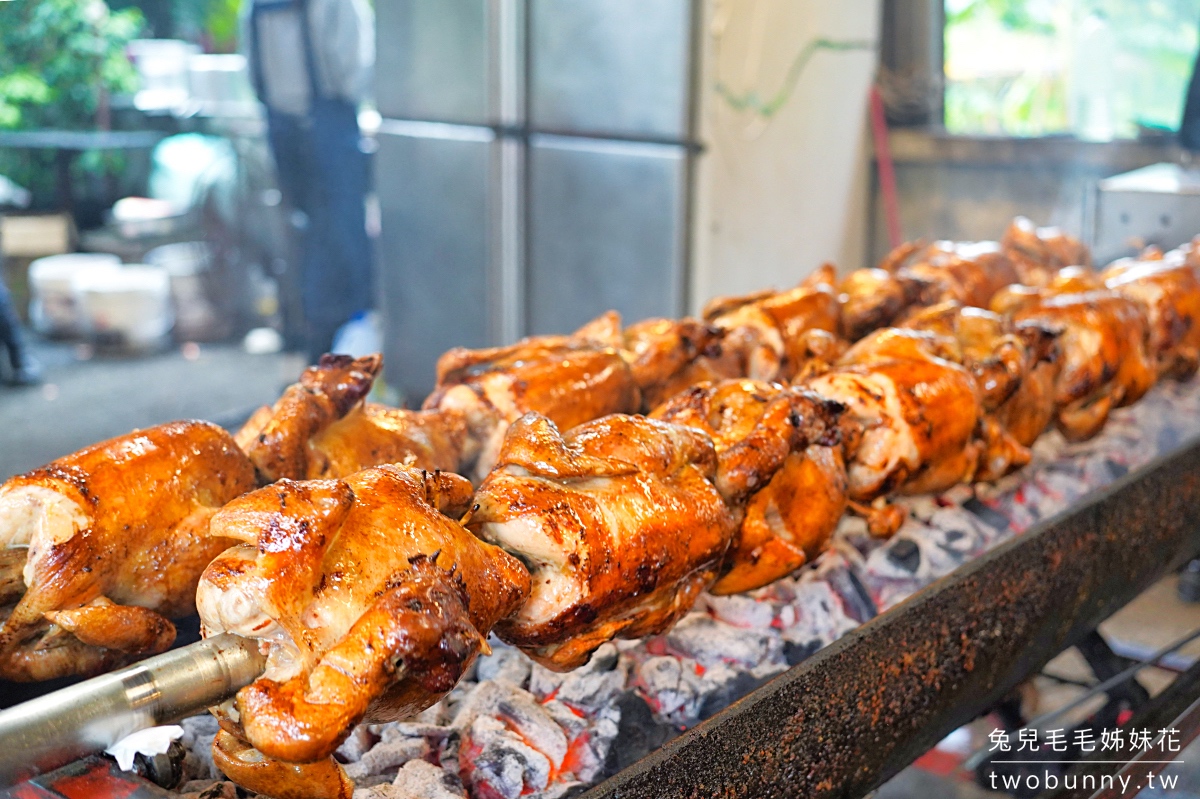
[[607, 221], [432, 60], [436, 246], [611, 67]]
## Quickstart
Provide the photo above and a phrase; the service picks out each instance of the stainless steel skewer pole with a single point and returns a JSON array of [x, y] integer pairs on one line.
[[53, 730]]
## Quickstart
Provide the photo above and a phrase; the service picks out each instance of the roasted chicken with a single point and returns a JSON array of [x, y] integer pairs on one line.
[[322, 428], [102, 547], [568, 379], [779, 467], [1038, 254], [1169, 288], [370, 602], [767, 334], [919, 411], [619, 522], [1014, 365]]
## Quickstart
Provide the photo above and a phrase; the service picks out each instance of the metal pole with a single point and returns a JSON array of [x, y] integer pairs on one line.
[[53, 730]]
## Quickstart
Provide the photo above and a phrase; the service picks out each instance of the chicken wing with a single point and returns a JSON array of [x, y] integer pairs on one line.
[[568, 379], [322, 428], [874, 298], [619, 522], [369, 601], [103, 546], [779, 466], [668, 355]]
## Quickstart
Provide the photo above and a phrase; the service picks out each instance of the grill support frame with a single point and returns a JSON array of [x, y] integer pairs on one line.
[[860, 710]]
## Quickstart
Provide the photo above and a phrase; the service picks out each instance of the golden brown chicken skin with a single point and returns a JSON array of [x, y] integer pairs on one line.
[[1014, 365], [102, 547], [767, 333], [322, 428], [1039, 253], [668, 355], [618, 521], [568, 379], [369, 600], [1104, 346], [779, 467], [919, 411], [874, 298], [1169, 288]]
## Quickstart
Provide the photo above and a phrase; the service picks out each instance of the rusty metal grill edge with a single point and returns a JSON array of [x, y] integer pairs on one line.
[[860, 710]]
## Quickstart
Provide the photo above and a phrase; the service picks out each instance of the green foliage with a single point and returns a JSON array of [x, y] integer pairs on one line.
[[59, 62], [59, 58], [1011, 69]]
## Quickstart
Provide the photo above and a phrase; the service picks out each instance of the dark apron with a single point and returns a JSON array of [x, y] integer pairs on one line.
[[324, 173]]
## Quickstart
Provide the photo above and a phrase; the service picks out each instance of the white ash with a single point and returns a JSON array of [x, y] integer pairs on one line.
[[417, 780]]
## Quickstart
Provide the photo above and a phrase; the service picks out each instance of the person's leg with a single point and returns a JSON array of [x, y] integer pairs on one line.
[[341, 283], [291, 147], [24, 369]]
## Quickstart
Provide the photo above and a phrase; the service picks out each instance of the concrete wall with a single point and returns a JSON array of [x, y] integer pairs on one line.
[[776, 198]]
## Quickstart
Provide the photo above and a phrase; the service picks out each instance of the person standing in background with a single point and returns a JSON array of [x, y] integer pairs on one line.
[[25, 371], [311, 63]]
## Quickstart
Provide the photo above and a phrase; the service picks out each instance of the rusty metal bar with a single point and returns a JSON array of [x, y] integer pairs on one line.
[[863, 708]]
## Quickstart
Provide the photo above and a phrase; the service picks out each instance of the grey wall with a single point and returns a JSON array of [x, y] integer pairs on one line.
[[969, 189]]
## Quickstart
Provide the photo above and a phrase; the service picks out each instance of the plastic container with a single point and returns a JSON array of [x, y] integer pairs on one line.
[[52, 307], [186, 262], [129, 307]]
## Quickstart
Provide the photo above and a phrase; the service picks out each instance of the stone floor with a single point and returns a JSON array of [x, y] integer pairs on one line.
[[88, 397]]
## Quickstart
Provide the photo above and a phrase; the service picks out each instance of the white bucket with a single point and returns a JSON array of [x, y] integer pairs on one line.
[[52, 308], [131, 306]]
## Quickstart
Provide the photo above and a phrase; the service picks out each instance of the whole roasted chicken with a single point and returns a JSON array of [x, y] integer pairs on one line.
[[1169, 289], [919, 412], [768, 335], [1014, 365], [100, 548], [619, 522], [322, 428], [369, 602], [568, 379], [779, 467], [1038, 254], [1104, 347]]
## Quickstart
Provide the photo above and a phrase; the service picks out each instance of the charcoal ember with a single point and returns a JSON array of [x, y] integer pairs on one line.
[[387, 756], [209, 789], [198, 734], [417, 780], [754, 611], [589, 739], [639, 732], [519, 711], [710, 643], [818, 611], [590, 688], [671, 687], [506, 664], [399, 730], [357, 743], [495, 762], [728, 687]]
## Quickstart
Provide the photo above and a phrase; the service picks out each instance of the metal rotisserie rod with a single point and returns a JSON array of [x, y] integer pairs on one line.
[[52, 730]]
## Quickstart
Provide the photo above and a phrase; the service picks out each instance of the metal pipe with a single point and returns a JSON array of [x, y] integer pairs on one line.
[[53, 730]]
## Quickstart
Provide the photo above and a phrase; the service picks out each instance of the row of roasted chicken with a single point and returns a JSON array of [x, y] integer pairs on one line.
[[373, 588]]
